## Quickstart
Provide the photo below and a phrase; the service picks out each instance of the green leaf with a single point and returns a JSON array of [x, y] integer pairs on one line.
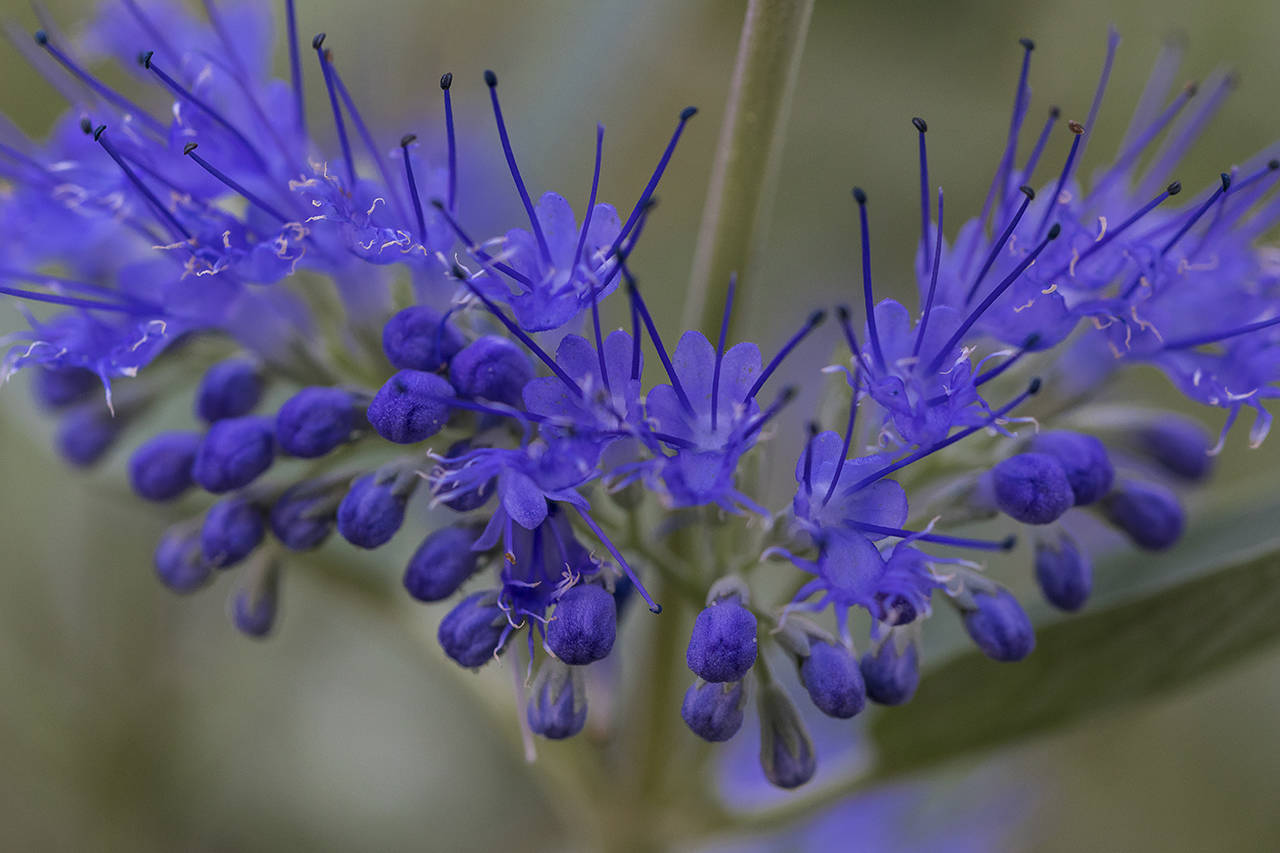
[[1085, 665]]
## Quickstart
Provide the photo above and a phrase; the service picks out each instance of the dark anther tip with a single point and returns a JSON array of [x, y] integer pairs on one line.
[[788, 394], [655, 609], [437, 204], [1007, 543], [86, 126], [688, 113], [1032, 340], [812, 427], [650, 204], [490, 79], [189, 147], [859, 196], [97, 133], [1191, 88], [1034, 387], [41, 37], [1054, 112], [1027, 43], [1226, 181], [1054, 231], [1028, 192], [1174, 188], [1273, 164], [842, 311], [1076, 127], [318, 41], [921, 124], [446, 80], [144, 58], [817, 317], [408, 139]]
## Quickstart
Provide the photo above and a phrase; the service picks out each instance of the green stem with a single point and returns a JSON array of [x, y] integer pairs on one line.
[[748, 155]]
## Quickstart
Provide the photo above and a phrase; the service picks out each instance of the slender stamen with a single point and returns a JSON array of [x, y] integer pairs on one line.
[[992, 297], [1005, 544], [150, 29], [1113, 42], [147, 61], [848, 440], [190, 150], [933, 284], [322, 56], [815, 319], [1001, 179], [643, 203], [295, 66], [724, 331], [784, 397], [638, 301], [1130, 154], [591, 201], [595, 324], [1077, 130], [923, 128], [99, 136], [988, 375], [105, 92], [1034, 160], [367, 138], [1188, 130], [595, 528], [851, 338], [867, 297], [228, 44], [491, 80], [808, 458], [1028, 196], [58, 282], [635, 342], [405, 141], [1215, 337], [999, 413], [1187, 225], [480, 254], [446, 80], [1171, 190], [72, 301]]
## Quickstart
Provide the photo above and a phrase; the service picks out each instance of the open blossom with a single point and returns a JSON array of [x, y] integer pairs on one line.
[[221, 243]]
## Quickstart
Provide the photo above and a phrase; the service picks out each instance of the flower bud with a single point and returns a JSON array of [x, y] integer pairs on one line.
[[254, 606], [583, 626], [441, 564], [229, 389], [786, 752], [1031, 488], [302, 517], [1179, 445], [56, 387], [372, 510], [557, 701], [86, 433], [722, 646], [714, 712], [160, 469], [1064, 573], [419, 338], [471, 631], [830, 673], [232, 528], [1000, 626], [315, 421], [178, 562], [891, 675], [1083, 458], [1150, 515], [410, 407], [234, 453], [491, 368]]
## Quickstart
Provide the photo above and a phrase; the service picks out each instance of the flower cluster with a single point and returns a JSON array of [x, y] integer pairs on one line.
[[359, 351]]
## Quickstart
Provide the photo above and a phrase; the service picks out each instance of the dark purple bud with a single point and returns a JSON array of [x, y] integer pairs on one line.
[[890, 674], [557, 701], [373, 509], [583, 626], [1150, 515], [1083, 458], [471, 631], [419, 338], [491, 368], [254, 606], [56, 387], [410, 407], [1000, 626], [160, 469], [722, 646], [1179, 445], [234, 453], [786, 752], [441, 564], [714, 712], [229, 389], [303, 517], [316, 420], [830, 673], [178, 562], [1031, 488], [1064, 573], [233, 527], [86, 433]]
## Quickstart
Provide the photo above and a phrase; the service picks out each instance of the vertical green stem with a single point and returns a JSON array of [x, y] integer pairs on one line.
[[748, 155]]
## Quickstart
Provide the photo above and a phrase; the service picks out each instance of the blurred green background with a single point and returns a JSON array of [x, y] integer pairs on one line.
[[131, 719]]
